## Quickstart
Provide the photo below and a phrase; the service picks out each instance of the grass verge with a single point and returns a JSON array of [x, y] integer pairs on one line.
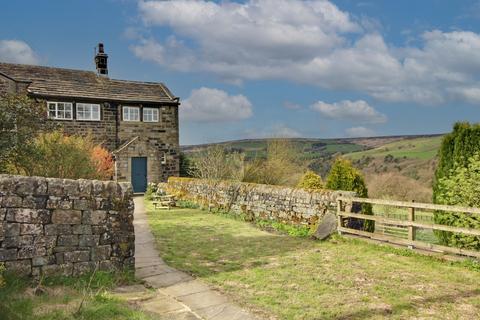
[[61, 297], [283, 277]]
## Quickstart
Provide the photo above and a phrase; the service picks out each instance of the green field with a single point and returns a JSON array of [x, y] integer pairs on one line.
[[418, 148]]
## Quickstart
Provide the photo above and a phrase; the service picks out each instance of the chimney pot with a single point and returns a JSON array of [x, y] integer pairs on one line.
[[101, 59]]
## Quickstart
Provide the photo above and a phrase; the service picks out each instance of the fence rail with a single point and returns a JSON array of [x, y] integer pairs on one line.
[[344, 211]]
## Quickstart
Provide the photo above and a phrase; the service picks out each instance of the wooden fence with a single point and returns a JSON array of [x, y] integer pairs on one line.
[[411, 224]]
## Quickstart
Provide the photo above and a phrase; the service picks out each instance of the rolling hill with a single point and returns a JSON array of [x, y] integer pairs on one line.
[[413, 157]]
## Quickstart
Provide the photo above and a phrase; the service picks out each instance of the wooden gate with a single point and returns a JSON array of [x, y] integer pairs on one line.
[[410, 224]]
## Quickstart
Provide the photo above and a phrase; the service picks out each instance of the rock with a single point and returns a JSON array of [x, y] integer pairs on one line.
[[60, 216], [67, 240], [326, 227], [82, 229], [8, 254], [98, 217], [101, 253], [76, 256], [19, 267], [30, 228]]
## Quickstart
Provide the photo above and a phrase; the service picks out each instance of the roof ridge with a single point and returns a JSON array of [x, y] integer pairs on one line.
[[48, 67]]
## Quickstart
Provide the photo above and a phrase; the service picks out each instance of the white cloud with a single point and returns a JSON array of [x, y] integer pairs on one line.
[[359, 111], [214, 105], [278, 130], [311, 42], [359, 132], [17, 51]]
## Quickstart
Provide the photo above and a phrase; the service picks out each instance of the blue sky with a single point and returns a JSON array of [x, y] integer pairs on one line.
[[272, 68]]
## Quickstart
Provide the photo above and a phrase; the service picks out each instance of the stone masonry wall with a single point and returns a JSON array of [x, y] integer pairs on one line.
[[258, 201], [65, 227], [158, 141], [102, 132]]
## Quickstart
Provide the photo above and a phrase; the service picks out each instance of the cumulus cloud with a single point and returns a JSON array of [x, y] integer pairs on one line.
[[358, 110], [214, 105], [311, 42], [17, 51], [356, 132]]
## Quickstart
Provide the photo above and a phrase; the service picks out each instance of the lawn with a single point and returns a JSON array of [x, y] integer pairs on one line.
[[284, 277], [60, 299]]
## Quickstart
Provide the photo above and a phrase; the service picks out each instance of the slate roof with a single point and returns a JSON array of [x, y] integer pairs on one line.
[[58, 82]]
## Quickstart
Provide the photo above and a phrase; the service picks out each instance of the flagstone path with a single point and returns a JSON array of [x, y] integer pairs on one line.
[[175, 295]]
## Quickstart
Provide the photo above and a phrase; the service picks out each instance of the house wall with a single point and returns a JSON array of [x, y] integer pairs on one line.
[[65, 227], [158, 141], [259, 201], [103, 132]]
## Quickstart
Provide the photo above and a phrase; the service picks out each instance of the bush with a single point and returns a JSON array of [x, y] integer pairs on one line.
[[57, 155], [461, 187], [103, 162], [215, 163], [310, 181], [343, 176], [455, 155], [151, 190], [280, 167]]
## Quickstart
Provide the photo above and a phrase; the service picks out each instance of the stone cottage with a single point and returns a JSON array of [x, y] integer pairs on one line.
[[136, 121]]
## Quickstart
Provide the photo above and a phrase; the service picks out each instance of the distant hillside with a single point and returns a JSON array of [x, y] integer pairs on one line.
[[310, 147], [412, 148], [411, 156]]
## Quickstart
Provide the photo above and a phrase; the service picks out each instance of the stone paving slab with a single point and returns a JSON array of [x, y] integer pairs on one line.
[[178, 296]]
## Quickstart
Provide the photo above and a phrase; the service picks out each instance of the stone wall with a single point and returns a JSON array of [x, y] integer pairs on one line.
[[65, 227], [258, 201]]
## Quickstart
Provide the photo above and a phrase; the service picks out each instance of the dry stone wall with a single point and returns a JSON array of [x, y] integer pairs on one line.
[[65, 227], [257, 201]]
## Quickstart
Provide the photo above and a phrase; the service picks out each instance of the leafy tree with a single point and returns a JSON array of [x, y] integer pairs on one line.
[[456, 149], [21, 119], [343, 176], [310, 181], [460, 187]]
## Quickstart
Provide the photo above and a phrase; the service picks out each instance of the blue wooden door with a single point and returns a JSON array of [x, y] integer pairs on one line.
[[139, 174]]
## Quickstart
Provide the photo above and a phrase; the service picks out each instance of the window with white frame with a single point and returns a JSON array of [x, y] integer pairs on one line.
[[131, 114], [60, 110], [88, 111], [150, 115]]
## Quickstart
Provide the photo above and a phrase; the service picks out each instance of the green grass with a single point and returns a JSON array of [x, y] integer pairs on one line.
[[419, 148], [285, 277], [62, 297]]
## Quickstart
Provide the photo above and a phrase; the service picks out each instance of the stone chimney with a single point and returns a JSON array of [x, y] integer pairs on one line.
[[101, 60]]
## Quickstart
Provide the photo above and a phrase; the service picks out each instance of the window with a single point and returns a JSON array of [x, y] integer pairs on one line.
[[131, 114], [88, 111], [150, 115], [60, 110]]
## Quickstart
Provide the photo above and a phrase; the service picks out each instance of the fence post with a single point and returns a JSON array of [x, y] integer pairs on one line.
[[339, 217], [411, 229]]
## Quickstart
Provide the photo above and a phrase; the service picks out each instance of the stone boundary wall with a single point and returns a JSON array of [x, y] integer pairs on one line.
[[258, 201], [65, 227]]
